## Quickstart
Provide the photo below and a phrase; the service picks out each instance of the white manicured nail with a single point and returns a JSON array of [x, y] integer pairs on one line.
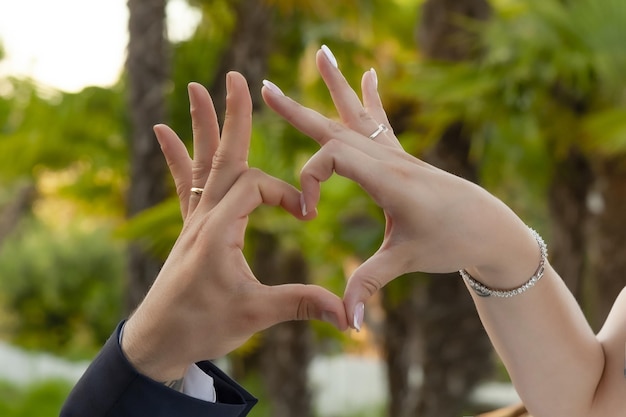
[[273, 87], [359, 312], [303, 205], [330, 56], [375, 76]]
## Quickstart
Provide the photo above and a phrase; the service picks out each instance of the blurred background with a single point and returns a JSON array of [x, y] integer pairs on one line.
[[526, 98]]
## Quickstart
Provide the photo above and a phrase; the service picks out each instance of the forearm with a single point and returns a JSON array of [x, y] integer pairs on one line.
[[546, 344]]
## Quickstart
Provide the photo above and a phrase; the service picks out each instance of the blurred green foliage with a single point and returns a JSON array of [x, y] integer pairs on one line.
[[541, 61], [42, 399], [359, 43], [42, 131], [61, 289], [550, 77]]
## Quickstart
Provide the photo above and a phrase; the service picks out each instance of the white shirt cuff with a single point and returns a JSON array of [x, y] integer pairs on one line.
[[198, 384]]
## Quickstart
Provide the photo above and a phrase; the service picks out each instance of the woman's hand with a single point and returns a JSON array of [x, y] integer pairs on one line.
[[206, 301], [435, 221]]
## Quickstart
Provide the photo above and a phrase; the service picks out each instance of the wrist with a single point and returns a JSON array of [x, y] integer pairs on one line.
[[148, 355], [486, 291], [517, 258]]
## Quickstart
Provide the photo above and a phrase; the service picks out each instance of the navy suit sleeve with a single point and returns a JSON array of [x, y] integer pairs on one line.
[[111, 387]]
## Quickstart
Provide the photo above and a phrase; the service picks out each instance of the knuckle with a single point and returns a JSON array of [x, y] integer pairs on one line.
[[304, 308], [224, 158], [181, 190], [363, 116], [251, 178], [254, 173], [218, 159], [200, 171], [332, 130], [371, 285], [332, 146]]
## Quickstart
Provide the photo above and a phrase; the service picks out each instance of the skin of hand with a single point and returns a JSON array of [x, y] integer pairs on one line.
[[206, 302], [430, 214], [437, 222]]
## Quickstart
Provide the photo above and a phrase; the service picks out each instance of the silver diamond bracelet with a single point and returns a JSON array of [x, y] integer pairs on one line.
[[484, 291]]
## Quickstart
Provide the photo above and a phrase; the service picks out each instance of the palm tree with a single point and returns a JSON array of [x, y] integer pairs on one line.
[[581, 86], [546, 107], [286, 349], [457, 353], [247, 51], [147, 67]]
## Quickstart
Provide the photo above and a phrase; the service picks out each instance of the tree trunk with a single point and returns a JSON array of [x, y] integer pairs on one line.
[[247, 53], [607, 236], [401, 301], [287, 348], [567, 199], [442, 33], [148, 71], [455, 352]]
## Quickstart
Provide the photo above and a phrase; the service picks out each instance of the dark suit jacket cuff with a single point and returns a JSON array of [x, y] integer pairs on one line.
[[112, 387]]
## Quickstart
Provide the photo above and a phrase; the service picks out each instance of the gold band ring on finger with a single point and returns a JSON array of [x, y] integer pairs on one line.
[[381, 128], [197, 191]]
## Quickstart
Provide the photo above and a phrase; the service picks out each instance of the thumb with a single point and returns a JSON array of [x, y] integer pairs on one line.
[[373, 274], [289, 302]]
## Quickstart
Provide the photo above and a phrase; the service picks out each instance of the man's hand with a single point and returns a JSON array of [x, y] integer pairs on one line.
[[206, 301]]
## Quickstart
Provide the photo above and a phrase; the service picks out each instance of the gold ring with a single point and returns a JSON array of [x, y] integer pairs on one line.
[[197, 191]]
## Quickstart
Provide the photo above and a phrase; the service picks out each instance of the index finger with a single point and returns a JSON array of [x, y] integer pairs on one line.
[[315, 125], [346, 161], [352, 112]]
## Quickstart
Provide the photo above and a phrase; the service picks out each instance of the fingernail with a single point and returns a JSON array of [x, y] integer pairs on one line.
[[191, 94], [273, 87], [303, 205], [155, 129], [329, 317], [359, 312], [228, 78], [330, 56], [375, 76]]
